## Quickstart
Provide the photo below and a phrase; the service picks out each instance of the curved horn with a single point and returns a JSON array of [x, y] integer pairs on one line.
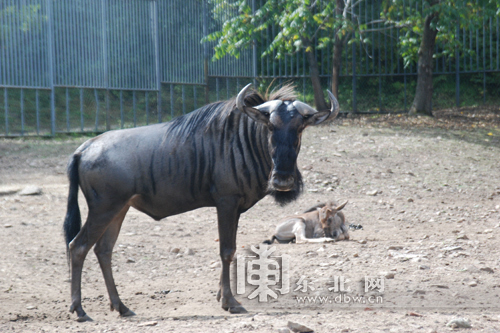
[[335, 106], [304, 109], [240, 100]]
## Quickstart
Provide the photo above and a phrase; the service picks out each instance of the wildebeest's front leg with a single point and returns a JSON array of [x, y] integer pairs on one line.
[[228, 216], [104, 250]]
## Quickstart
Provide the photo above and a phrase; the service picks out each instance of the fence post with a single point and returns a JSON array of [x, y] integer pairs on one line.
[[354, 107], [457, 69], [156, 31], [50, 55], [205, 52], [254, 53], [104, 24]]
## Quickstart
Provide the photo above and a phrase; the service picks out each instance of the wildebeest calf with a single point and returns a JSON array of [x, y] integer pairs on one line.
[[319, 224]]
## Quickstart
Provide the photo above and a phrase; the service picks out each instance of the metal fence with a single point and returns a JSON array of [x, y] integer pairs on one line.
[[95, 65]]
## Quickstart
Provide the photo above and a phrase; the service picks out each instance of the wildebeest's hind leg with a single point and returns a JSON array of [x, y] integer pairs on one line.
[[98, 221], [104, 250], [228, 216]]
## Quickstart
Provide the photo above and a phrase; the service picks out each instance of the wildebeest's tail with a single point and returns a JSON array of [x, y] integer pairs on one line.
[[73, 220]]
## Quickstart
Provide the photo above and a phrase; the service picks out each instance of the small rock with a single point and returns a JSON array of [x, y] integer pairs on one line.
[[463, 236], [473, 284], [31, 190], [189, 252], [363, 241], [410, 200], [373, 193], [389, 275], [355, 255], [442, 286], [175, 250], [488, 231], [148, 323], [333, 255], [415, 314], [7, 225], [296, 327], [487, 269], [130, 260], [215, 264], [459, 323], [452, 248], [424, 267], [283, 330], [30, 307], [419, 292], [7, 190], [395, 247]]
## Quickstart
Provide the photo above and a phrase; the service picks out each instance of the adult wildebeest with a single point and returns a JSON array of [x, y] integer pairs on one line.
[[319, 224], [227, 155]]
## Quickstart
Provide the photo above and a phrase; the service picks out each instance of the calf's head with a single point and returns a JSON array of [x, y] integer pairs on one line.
[[327, 219], [285, 120]]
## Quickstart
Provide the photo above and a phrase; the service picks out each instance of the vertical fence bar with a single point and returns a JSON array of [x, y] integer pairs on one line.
[[195, 105], [171, 101], [37, 108], [21, 97], [121, 109], [67, 110], [217, 88], [6, 109], [134, 107], [146, 97], [96, 97], [81, 110], [183, 99], [254, 53]]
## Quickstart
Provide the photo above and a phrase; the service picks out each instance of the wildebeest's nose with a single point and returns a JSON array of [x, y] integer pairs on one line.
[[281, 183]]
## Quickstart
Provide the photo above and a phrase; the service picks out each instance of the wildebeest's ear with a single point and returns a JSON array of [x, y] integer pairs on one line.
[[259, 113], [313, 117]]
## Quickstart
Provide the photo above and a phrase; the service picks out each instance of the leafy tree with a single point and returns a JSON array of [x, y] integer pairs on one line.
[[423, 24], [300, 23]]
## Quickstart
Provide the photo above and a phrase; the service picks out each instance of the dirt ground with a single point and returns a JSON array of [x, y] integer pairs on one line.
[[426, 192]]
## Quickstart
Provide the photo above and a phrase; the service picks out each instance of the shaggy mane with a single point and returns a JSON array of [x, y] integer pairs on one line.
[[216, 114]]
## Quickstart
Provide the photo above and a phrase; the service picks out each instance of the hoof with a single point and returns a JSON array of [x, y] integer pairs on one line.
[[128, 313], [84, 319], [237, 309]]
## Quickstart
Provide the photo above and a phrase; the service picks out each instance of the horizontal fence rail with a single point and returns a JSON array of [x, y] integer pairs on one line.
[[95, 65]]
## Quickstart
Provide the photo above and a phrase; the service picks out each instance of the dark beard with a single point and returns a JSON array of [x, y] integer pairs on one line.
[[283, 198]]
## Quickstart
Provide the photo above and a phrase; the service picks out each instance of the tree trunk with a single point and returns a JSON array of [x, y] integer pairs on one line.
[[338, 46], [423, 95], [319, 96]]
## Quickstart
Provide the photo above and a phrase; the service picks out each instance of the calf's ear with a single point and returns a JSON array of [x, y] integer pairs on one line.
[[341, 206]]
